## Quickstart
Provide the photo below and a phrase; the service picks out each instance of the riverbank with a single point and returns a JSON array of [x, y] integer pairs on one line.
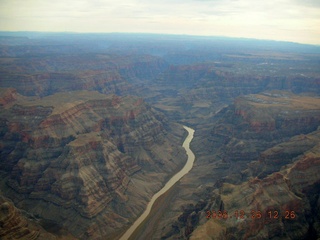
[[147, 228], [160, 197]]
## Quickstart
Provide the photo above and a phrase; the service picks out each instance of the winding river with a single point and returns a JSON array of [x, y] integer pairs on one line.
[[187, 167]]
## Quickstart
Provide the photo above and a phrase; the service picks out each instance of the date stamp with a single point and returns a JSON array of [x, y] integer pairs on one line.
[[253, 214]]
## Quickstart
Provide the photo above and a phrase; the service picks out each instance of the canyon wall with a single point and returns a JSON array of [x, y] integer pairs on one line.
[[257, 158], [106, 73], [87, 162], [80, 159]]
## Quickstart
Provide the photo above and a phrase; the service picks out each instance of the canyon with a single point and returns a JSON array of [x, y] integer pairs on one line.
[[86, 154], [91, 127]]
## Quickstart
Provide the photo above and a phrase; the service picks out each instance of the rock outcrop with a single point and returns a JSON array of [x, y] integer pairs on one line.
[[256, 122], [283, 204], [81, 158], [259, 158], [88, 163], [106, 73], [8, 95], [14, 225], [195, 92]]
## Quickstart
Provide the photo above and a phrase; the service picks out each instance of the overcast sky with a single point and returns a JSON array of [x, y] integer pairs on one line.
[[289, 20]]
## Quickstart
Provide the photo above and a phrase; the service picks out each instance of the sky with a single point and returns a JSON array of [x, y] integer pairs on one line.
[[285, 20]]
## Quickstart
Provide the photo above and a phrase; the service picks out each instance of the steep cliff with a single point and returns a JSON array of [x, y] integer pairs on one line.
[[14, 225], [81, 159], [106, 73], [88, 163], [256, 122], [284, 204], [260, 154], [194, 93]]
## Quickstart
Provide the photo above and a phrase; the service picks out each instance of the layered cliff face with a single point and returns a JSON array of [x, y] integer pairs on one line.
[[106, 73], [256, 122], [81, 159], [272, 159], [278, 110], [259, 154], [194, 93], [16, 226], [284, 204], [89, 163]]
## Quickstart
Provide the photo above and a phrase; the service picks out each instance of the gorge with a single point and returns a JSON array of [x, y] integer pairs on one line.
[[91, 128], [186, 168]]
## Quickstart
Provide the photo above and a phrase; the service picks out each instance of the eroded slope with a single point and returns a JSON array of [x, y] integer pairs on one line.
[[82, 159], [261, 153]]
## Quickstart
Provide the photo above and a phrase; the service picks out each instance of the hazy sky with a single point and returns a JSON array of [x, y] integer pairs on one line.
[[289, 20]]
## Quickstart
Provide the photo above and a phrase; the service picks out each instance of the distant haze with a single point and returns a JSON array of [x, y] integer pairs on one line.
[[287, 20]]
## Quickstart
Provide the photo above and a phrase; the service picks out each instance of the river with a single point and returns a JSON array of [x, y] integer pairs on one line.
[[187, 167]]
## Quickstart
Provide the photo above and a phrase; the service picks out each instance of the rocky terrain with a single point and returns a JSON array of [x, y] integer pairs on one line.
[[262, 154], [106, 73], [90, 130], [82, 159], [16, 226], [284, 204], [195, 93]]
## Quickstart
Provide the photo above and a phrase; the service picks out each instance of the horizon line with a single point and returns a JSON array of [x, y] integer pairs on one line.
[[153, 33]]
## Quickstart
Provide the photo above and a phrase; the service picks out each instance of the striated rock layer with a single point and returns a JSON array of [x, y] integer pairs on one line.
[[260, 154], [82, 159], [256, 122], [14, 225], [106, 73], [284, 204]]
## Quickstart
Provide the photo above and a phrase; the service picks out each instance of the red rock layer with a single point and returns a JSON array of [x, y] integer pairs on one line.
[[71, 158], [109, 74], [13, 225], [279, 205], [8, 96]]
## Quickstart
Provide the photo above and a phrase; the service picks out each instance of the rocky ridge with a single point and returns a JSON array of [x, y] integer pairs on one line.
[[194, 93], [256, 122], [80, 159], [106, 73], [14, 225], [246, 157], [215, 72], [283, 204]]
